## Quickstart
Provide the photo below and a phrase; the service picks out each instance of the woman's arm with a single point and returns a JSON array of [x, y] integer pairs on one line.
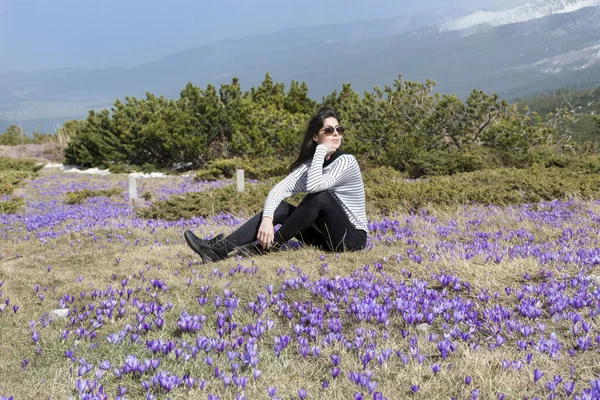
[[294, 183], [316, 181]]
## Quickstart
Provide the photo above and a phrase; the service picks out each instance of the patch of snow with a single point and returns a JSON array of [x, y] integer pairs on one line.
[[149, 175], [52, 165], [74, 169], [588, 64], [526, 12], [551, 70], [573, 60], [97, 171], [89, 171]]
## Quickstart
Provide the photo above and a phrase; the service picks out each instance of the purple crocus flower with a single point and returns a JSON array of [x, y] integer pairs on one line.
[[537, 374], [226, 380], [81, 385], [335, 359], [189, 381], [256, 373], [569, 387], [302, 393]]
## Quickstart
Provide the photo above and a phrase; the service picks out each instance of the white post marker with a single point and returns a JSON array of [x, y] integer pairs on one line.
[[239, 173], [132, 190]]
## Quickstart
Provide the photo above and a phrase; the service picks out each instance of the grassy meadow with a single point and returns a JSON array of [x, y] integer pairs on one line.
[[460, 302]]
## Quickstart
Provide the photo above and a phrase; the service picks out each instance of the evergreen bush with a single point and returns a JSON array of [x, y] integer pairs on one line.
[[81, 196], [387, 191]]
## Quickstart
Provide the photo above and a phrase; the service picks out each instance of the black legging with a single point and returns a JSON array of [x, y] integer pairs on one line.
[[319, 220]]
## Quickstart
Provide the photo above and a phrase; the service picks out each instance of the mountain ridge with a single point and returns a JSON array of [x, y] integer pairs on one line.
[[513, 60]]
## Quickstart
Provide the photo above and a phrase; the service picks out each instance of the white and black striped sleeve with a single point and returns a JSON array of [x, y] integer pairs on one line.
[[294, 183], [339, 172]]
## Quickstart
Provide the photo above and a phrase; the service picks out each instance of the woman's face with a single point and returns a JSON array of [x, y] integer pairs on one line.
[[335, 139]]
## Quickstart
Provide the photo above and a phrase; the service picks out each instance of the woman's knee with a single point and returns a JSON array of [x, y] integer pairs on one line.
[[323, 197], [282, 212], [284, 206]]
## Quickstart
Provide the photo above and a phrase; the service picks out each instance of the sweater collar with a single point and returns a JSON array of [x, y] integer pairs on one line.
[[338, 153]]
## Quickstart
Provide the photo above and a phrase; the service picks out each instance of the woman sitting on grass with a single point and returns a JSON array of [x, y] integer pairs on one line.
[[331, 216]]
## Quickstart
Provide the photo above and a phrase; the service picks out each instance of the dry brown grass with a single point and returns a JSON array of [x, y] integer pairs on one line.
[[51, 151]]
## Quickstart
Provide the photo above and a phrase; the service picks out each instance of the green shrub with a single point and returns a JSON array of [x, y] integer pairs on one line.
[[260, 168], [13, 136], [11, 206], [82, 195], [382, 175], [212, 202], [501, 187], [10, 179], [387, 191], [451, 161], [589, 163], [13, 171], [5, 187], [120, 168], [405, 125], [19, 164]]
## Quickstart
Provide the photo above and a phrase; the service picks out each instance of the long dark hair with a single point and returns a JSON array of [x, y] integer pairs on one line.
[[308, 146]]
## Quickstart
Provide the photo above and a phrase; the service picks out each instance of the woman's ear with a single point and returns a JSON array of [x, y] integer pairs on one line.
[[315, 138]]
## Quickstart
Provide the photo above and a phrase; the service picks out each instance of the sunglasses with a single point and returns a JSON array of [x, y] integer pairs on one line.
[[328, 130]]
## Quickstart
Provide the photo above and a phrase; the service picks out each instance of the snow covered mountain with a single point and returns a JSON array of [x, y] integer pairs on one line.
[[526, 12]]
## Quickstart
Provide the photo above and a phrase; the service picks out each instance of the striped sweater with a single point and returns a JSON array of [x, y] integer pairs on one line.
[[340, 175]]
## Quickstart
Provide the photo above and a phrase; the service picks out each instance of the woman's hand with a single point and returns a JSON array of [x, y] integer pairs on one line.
[[266, 234], [329, 148]]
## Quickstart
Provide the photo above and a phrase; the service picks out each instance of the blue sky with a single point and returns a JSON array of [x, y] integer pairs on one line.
[[40, 34]]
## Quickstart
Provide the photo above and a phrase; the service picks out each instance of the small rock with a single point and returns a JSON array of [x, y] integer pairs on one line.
[[60, 313], [595, 278], [423, 327]]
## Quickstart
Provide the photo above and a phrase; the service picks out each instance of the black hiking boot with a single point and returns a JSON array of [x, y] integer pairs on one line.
[[191, 238], [209, 253]]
